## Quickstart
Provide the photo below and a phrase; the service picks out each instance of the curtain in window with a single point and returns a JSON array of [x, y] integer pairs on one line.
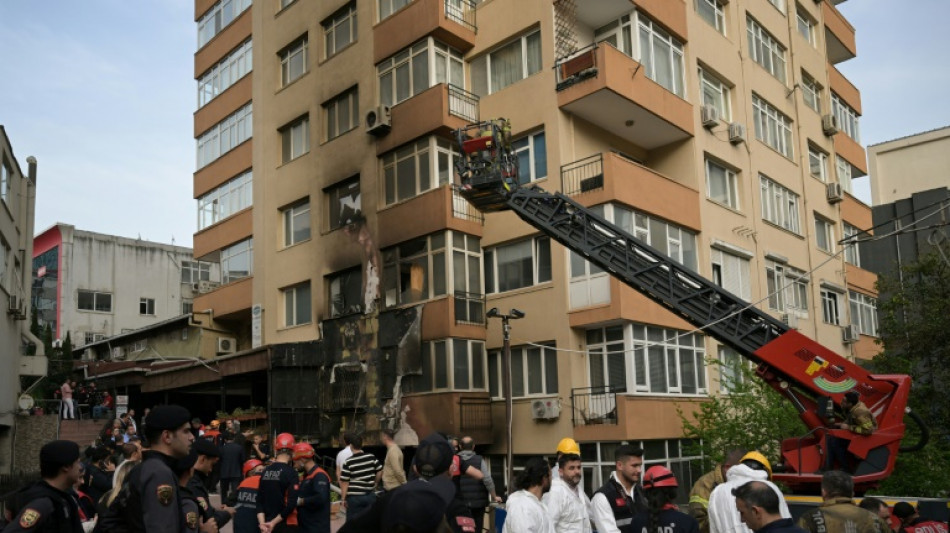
[[506, 67]]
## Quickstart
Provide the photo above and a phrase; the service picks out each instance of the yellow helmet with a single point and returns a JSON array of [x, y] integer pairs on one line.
[[759, 458], [568, 445]]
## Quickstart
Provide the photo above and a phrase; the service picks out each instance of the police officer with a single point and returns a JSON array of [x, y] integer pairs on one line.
[[838, 512], [245, 499], [191, 515], [48, 506], [208, 455], [313, 498]]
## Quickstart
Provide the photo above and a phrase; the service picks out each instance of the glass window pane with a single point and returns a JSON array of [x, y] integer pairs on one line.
[[460, 363], [441, 366], [517, 373], [534, 371], [550, 371]]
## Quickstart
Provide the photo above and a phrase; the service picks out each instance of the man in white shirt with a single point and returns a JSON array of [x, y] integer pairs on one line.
[[566, 502], [344, 454], [723, 514], [614, 505], [526, 513]]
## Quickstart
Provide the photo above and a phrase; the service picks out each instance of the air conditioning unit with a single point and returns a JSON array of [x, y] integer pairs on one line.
[[834, 193], [791, 320], [14, 305], [227, 345], [206, 286], [829, 124], [709, 116], [736, 133], [379, 120], [17, 307], [850, 334], [545, 409]]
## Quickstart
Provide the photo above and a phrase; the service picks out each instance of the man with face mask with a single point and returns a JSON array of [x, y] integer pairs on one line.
[[566, 502]]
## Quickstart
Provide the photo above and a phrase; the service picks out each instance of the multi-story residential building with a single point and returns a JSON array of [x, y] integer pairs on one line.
[[17, 214], [719, 132], [95, 286], [908, 165]]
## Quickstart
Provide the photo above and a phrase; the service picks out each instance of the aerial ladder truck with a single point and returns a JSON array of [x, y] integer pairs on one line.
[[812, 377]]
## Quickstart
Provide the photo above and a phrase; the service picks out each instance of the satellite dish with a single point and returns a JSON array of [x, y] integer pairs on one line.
[[25, 401]]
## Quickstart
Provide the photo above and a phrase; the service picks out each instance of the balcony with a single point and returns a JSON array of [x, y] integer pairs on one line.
[[839, 35], [210, 240], [450, 21], [844, 89], [226, 40], [229, 301], [474, 414], [607, 88], [438, 109], [593, 405], [638, 417], [434, 210]]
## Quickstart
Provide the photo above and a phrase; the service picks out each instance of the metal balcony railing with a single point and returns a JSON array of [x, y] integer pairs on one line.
[[576, 67], [594, 405], [474, 413], [583, 175], [464, 210], [463, 104], [461, 11], [469, 307]]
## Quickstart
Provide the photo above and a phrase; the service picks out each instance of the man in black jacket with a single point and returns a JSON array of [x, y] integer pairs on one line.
[[208, 455], [232, 457], [48, 506], [98, 478]]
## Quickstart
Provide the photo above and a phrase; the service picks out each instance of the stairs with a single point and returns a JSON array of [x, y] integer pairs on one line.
[[82, 432]]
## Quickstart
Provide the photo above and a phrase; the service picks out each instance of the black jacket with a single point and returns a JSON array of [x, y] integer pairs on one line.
[[232, 458], [42, 508]]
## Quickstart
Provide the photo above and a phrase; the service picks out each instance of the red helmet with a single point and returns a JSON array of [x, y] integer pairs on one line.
[[249, 465], [658, 476], [284, 441], [302, 450]]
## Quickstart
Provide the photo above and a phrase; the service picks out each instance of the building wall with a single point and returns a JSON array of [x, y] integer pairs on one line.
[[909, 165]]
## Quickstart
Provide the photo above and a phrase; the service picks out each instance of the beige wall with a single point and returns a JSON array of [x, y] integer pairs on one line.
[[911, 164]]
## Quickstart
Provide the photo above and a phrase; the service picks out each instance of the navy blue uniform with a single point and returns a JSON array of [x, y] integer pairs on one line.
[[44, 509], [278, 493], [200, 491], [313, 508], [670, 521], [245, 506]]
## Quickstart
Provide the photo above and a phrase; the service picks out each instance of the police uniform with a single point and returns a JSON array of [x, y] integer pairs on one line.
[[699, 497], [841, 514], [313, 504], [40, 507], [197, 486]]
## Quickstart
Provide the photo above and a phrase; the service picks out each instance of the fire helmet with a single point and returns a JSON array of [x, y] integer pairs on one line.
[[302, 450], [659, 476], [249, 465], [568, 446], [284, 441], [759, 458]]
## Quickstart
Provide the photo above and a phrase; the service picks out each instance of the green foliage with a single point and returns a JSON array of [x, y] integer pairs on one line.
[[751, 416]]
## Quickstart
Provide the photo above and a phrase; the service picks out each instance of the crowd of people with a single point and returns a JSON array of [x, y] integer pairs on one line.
[[157, 475]]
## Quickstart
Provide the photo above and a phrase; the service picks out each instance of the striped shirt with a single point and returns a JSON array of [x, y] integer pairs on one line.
[[360, 471]]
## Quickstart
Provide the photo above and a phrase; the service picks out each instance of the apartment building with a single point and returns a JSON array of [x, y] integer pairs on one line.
[[720, 132]]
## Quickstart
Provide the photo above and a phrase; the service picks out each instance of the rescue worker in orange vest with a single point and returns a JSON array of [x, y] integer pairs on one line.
[[313, 498], [245, 501]]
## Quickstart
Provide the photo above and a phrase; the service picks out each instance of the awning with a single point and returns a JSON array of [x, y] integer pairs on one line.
[[208, 371]]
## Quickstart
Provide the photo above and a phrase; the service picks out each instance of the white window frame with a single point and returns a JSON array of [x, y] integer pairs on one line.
[[765, 50], [864, 313], [147, 306], [818, 161], [388, 7], [431, 154], [187, 308], [96, 296], [730, 184], [780, 205], [606, 350], [588, 284], [481, 67], [811, 92], [430, 252], [730, 369], [540, 273], [650, 343], [787, 288], [6, 178], [229, 198], [219, 17], [298, 305], [657, 36], [830, 306], [778, 4], [226, 73], [772, 127], [234, 252], [844, 173], [429, 62], [824, 234], [296, 218], [848, 119], [537, 167], [713, 12], [341, 196], [342, 113], [343, 22], [467, 278], [295, 139], [714, 92], [294, 61], [852, 246], [806, 26], [731, 272], [524, 357], [224, 136]]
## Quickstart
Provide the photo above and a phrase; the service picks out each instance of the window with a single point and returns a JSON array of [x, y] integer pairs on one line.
[[619, 33], [730, 369], [817, 163], [712, 11], [518, 265], [295, 139], [829, 307], [787, 287], [731, 272], [467, 278], [848, 118], [532, 155], [824, 234], [407, 169], [229, 198], [607, 358], [779, 4], [187, 307], [345, 292], [90, 337], [224, 136], [342, 113], [852, 248], [843, 169], [454, 364], [344, 202], [147, 306], [297, 305], [237, 261], [779, 205], [599, 462], [296, 223], [721, 185], [811, 92], [5, 255], [225, 74], [715, 93], [6, 178], [864, 313], [195, 271], [388, 7], [508, 64], [661, 56], [285, 3], [293, 61], [533, 371], [408, 73], [667, 361], [415, 270], [95, 301], [218, 17], [339, 30], [765, 50], [806, 26], [772, 127]]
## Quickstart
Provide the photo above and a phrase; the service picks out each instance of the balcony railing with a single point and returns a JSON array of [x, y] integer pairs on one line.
[[346, 393], [594, 405], [576, 67], [463, 104], [464, 210], [474, 413], [461, 11], [583, 175], [469, 308]]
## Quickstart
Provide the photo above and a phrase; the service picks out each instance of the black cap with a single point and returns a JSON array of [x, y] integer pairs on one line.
[[904, 510], [433, 456], [59, 453], [182, 465], [418, 505], [206, 447], [170, 417]]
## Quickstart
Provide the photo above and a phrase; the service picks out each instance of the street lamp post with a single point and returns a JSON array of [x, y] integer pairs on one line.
[[514, 314]]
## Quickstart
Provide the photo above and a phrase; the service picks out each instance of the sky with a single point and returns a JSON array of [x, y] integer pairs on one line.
[[102, 93]]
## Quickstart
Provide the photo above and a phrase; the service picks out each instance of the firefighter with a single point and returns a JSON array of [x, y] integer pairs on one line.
[[911, 522], [277, 495], [48, 505], [662, 516], [313, 498], [838, 512], [245, 500], [858, 420], [702, 489]]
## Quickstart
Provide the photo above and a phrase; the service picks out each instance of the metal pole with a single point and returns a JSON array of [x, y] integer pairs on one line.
[[506, 377]]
